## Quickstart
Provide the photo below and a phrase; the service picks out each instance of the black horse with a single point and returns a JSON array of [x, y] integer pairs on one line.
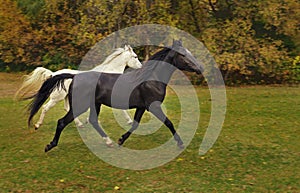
[[142, 89]]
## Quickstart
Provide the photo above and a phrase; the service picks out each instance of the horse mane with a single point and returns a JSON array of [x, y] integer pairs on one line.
[[160, 55], [116, 53], [148, 67], [154, 59]]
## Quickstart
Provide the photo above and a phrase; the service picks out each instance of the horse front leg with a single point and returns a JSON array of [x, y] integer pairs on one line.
[[61, 124], [137, 118], [156, 110]]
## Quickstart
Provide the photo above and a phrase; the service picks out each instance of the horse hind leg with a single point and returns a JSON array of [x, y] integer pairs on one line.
[[55, 97], [45, 109], [61, 124], [67, 108], [137, 118]]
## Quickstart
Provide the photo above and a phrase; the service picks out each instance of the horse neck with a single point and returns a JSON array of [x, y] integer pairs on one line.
[[164, 71], [116, 65]]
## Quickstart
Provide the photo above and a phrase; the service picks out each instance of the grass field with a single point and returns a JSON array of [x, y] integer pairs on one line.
[[258, 149]]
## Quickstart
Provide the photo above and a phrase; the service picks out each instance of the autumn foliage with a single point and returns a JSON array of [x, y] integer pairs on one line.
[[253, 42]]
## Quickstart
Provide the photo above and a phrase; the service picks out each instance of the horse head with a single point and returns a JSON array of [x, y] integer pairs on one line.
[[183, 58], [131, 58]]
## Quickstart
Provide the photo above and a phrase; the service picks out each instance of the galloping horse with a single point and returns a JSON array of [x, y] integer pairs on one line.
[[142, 89], [114, 63]]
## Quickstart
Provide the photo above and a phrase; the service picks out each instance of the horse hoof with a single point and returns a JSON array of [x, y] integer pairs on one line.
[[129, 122], [120, 142], [109, 144], [80, 126], [181, 146], [36, 127], [48, 147]]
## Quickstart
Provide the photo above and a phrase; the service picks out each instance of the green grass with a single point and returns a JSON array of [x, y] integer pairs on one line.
[[258, 150]]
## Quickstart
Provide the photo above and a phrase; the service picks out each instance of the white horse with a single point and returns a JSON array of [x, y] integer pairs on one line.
[[114, 63]]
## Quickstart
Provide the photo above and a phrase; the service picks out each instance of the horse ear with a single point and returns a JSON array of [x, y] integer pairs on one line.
[[130, 48], [126, 48], [176, 43], [180, 41]]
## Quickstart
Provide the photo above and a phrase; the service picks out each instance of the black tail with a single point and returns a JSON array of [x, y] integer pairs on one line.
[[42, 95]]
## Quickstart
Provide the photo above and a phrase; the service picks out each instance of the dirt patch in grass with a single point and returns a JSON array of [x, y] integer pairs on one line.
[[9, 83]]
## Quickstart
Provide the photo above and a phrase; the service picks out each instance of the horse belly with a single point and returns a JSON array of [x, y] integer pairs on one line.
[[83, 91], [120, 100]]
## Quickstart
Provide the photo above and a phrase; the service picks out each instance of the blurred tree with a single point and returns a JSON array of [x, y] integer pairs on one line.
[[58, 49], [31, 8], [252, 41], [16, 36], [245, 52]]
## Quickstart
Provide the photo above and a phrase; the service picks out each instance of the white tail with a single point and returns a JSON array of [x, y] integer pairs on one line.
[[33, 82]]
